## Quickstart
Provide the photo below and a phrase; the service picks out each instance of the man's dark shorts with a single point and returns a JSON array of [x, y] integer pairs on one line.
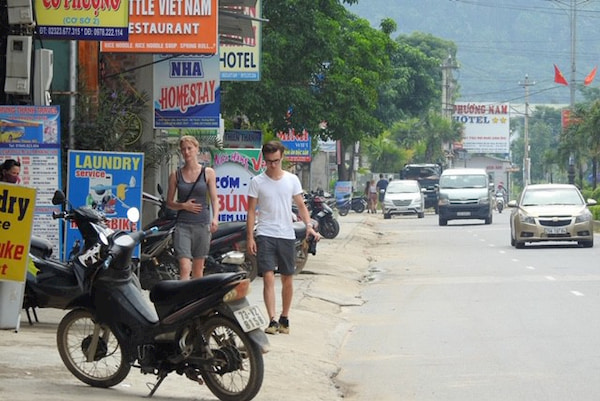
[[275, 254]]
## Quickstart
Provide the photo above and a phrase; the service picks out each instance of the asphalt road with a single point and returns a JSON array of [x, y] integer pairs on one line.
[[456, 313]]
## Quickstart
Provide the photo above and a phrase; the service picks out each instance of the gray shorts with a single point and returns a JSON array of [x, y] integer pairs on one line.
[[191, 241], [275, 254]]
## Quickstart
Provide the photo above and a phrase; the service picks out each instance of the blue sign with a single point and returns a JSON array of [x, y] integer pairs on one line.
[[110, 182]]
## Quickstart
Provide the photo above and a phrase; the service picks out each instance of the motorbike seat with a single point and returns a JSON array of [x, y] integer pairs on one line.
[[176, 291], [40, 247], [50, 268], [300, 230], [229, 228]]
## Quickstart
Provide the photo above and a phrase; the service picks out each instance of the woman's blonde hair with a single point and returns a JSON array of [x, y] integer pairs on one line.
[[189, 138]]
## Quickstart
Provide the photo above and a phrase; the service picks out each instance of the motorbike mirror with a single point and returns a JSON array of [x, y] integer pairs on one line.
[[133, 214], [58, 198]]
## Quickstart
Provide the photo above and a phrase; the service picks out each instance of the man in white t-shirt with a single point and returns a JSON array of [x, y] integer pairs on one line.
[[272, 193]]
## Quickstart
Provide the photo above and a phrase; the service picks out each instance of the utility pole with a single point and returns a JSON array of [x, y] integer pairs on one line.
[[447, 98], [526, 162]]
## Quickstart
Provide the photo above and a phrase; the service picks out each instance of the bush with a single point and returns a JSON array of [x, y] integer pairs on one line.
[[595, 211]]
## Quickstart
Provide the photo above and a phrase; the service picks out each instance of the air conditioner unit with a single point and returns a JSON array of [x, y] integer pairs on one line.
[[18, 65], [43, 72], [19, 12]]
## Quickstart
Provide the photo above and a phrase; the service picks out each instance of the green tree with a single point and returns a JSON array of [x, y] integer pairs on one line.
[[319, 63]]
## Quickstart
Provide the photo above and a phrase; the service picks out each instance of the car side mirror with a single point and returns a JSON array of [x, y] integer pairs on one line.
[[591, 202], [512, 203]]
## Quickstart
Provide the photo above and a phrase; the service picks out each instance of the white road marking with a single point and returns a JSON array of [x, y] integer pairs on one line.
[[530, 267], [577, 293], [550, 278]]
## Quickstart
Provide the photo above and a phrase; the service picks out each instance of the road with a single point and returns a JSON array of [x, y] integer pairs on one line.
[[456, 313]]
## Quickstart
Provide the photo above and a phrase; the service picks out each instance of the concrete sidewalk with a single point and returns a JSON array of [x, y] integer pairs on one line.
[[299, 367]]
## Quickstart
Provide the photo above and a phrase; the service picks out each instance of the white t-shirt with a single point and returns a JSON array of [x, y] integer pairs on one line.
[[275, 204]]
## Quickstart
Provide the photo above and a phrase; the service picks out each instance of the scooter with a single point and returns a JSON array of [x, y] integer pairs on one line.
[[356, 203], [57, 284], [499, 201], [204, 329], [328, 226]]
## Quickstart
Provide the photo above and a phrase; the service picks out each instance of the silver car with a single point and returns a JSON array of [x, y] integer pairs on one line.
[[403, 197], [551, 212]]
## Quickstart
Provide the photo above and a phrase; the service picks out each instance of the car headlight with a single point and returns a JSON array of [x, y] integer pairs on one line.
[[443, 201], [484, 200], [526, 219], [582, 218]]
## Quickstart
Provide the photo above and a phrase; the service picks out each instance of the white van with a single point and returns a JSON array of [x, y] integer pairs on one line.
[[465, 193]]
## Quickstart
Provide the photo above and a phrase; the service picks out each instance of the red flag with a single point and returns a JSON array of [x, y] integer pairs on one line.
[[558, 77], [588, 80]]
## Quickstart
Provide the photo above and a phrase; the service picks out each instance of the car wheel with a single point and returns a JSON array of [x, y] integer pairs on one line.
[[512, 241], [488, 220], [519, 245], [387, 216], [420, 215], [587, 244], [442, 222]]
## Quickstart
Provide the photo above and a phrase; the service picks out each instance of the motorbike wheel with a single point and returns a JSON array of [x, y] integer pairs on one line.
[[359, 207], [343, 210], [250, 266], [329, 228], [235, 373], [77, 333], [301, 255]]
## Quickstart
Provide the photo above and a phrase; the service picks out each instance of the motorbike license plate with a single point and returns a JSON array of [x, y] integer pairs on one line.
[[250, 318], [463, 213], [555, 230]]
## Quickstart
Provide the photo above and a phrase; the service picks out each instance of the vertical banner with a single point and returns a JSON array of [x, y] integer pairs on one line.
[[17, 206], [235, 168], [186, 91], [110, 182], [31, 135], [241, 62]]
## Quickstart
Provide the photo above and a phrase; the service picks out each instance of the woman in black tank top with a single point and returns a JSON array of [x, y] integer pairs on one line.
[[198, 209]]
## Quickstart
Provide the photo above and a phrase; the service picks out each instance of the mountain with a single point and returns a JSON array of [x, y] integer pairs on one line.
[[500, 42]]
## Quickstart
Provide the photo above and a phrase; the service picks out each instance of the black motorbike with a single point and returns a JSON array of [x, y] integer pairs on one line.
[[158, 262], [356, 203], [57, 284], [204, 329], [321, 212]]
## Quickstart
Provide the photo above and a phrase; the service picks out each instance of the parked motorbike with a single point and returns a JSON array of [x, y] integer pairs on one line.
[[499, 201], [204, 329], [356, 203], [157, 260], [57, 284], [328, 226]]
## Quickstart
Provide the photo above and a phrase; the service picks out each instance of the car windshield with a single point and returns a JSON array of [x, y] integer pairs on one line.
[[400, 187], [546, 197], [463, 181]]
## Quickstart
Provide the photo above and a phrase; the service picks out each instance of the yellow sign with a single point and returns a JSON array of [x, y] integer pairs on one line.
[[17, 206]]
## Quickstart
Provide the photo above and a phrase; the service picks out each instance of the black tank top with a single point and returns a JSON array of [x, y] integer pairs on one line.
[[199, 194]]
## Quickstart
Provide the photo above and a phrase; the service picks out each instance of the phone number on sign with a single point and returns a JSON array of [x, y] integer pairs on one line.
[[77, 31]]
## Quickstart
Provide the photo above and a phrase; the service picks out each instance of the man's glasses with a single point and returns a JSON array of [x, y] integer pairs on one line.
[[274, 161]]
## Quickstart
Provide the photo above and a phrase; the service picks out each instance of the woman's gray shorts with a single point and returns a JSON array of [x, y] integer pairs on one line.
[[191, 241], [275, 254]]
